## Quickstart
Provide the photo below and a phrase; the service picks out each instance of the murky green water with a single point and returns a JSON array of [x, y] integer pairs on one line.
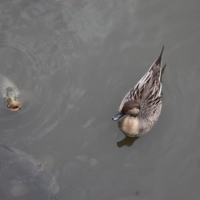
[[76, 60]]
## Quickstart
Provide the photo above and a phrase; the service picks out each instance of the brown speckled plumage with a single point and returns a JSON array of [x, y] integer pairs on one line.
[[148, 94]]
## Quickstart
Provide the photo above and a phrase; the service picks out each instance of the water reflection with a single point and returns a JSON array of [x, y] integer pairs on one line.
[[127, 141]]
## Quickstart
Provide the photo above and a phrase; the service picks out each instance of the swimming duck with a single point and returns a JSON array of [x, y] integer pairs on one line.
[[141, 107]]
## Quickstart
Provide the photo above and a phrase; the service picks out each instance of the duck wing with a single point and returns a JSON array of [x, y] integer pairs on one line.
[[149, 87]]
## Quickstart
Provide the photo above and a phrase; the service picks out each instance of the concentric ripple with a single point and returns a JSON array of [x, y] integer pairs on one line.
[[38, 69]]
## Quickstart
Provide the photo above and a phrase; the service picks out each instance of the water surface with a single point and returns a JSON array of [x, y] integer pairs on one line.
[[76, 60]]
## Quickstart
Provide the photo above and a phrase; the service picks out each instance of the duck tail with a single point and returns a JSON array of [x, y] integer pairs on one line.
[[158, 62], [156, 67]]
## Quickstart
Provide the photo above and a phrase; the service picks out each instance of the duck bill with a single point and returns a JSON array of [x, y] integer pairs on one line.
[[117, 116], [14, 107]]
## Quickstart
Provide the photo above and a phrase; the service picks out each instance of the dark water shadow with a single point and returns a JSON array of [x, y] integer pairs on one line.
[[127, 141]]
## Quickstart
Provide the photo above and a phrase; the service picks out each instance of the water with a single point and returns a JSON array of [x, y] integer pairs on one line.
[[22, 175], [76, 60]]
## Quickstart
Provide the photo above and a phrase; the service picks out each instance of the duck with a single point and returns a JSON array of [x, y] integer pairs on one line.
[[141, 107]]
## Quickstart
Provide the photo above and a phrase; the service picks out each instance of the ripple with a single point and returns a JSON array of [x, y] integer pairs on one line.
[[9, 14], [62, 3], [35, 65]]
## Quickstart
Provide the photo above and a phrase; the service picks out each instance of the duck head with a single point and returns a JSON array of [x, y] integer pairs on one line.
[[131, 108]]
